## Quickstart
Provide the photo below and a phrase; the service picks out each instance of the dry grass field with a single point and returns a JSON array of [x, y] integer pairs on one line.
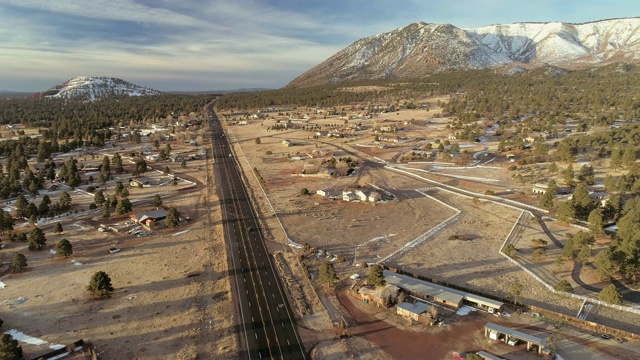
[[172, 297]]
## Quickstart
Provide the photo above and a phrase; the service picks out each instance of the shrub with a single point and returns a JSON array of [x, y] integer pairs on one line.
[[510, 250], [563, 285]]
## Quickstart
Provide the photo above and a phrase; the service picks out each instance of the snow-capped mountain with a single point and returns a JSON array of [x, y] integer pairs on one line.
[[419, 49], [91, 88]]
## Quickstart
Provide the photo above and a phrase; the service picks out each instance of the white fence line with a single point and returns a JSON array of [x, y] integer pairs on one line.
[[422, 238], [548, 286], [457, 191]]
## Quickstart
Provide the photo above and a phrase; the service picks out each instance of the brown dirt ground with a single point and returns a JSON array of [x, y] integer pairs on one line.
[[156, 312], [305, 221]]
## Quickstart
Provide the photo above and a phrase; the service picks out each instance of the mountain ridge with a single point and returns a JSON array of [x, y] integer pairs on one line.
[[94, 87], [420, 48]]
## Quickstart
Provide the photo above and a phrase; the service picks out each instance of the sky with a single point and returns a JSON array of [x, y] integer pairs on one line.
[[198, 45]]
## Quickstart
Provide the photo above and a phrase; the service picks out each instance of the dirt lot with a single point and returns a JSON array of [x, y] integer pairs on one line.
[[397, 338], [172, 297]]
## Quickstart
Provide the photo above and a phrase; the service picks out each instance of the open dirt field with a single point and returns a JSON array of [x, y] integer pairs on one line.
[[172, 297]]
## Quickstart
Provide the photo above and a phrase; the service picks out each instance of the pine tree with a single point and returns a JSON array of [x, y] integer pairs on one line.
[[596, 221], [123, 207], [100, 285], [64, 248], [57, 228], [21, 205], [105, 211], [19, 263], [611, 294], [65, 201], [328, 276], [36, 238], [567, 212], [157, 200], [173, 218], [10, 349], [98, 198], [117, 163], [375, 275], [606, 264]]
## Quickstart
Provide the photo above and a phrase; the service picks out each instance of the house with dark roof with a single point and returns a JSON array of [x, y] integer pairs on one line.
[[149, 218]]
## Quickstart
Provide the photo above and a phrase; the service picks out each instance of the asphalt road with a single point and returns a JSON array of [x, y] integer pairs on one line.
[[265, 322]]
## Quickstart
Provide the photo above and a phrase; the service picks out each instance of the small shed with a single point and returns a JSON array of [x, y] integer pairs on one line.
[[374, 196]]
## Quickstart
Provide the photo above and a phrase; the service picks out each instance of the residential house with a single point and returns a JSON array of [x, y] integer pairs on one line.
[[412, 311], [323, 192], [54, 186], [176, 158], [92, 167], [381, 295], [149, 218], [361, 195], [348, 196], [140, 182], [152, 157], [539, 189]]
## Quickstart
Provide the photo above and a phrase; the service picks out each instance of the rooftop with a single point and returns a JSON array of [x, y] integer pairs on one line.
[[517, 334], [437, 291], [417, 308]]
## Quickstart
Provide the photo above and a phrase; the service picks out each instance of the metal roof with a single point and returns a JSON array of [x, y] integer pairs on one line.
[[517, 334], [417, 308], [485, 355], [153, 214], [423, 287], [437, 291], [484, 301]]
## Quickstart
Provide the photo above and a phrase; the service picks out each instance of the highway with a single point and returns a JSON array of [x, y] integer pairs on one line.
[[265, 322]]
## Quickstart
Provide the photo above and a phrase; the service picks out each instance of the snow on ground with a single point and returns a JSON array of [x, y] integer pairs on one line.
[[16, 301], [25, 338], [181, 232], [465, 310], [22, 337]]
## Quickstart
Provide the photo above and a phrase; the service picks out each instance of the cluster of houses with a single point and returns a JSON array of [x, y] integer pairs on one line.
[[351, 195]]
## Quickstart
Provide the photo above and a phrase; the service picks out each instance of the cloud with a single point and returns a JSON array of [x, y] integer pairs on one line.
[[266, 41]]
